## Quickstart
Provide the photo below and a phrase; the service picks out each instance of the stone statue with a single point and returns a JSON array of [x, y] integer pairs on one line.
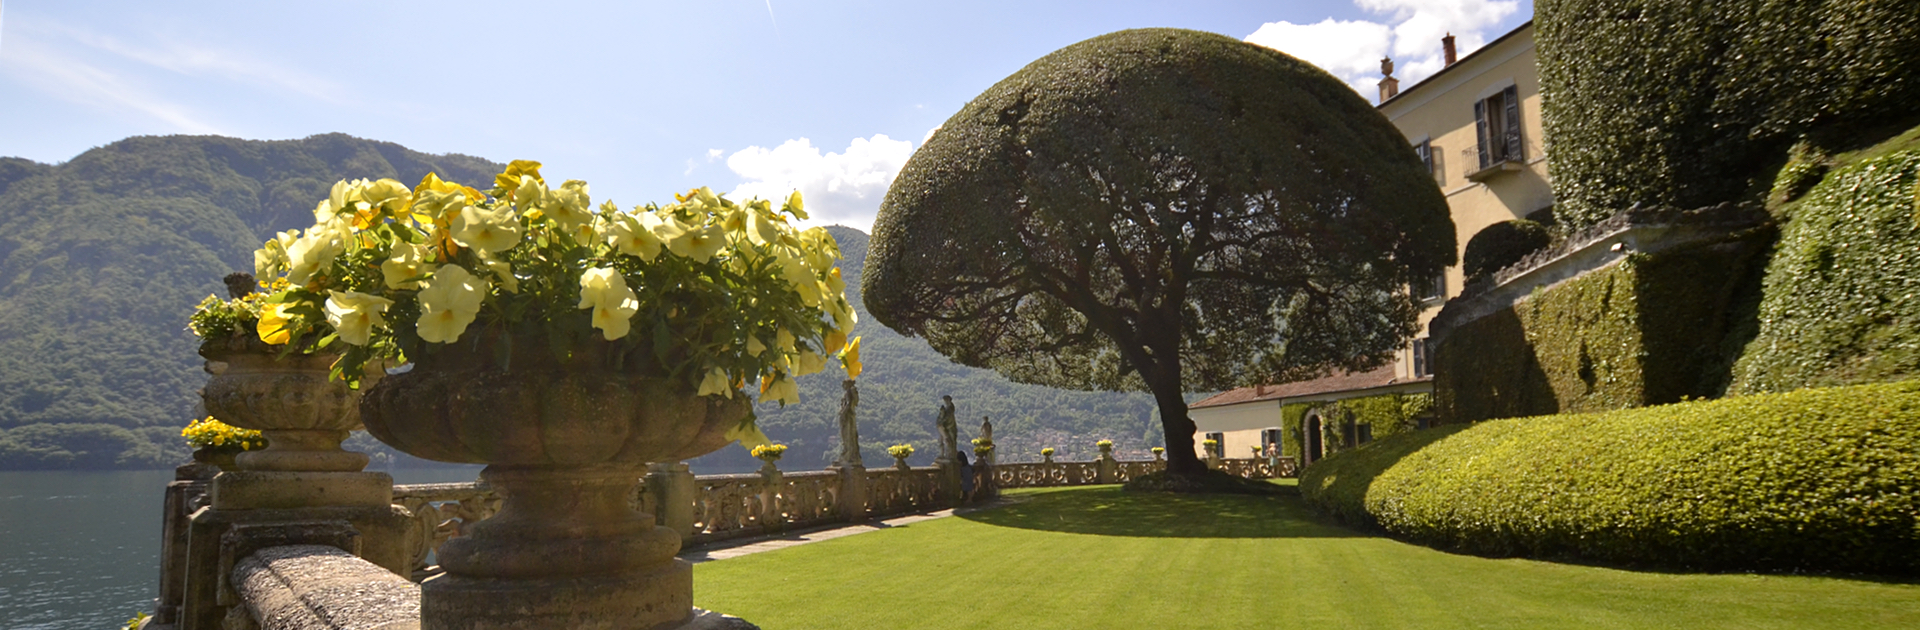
[[986, 429], [949, 432], [849, 430]]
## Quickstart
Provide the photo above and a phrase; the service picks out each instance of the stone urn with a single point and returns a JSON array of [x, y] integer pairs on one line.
[[222, 458], [564, 441], [302, 412], [900, 462]]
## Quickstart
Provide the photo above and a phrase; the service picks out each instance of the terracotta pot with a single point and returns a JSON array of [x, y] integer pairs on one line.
[[303, 413]]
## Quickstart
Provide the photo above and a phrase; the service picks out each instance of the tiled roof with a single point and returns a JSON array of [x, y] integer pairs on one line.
[[1338, 382]]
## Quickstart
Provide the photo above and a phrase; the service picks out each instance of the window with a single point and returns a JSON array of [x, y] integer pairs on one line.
[[1496, 122], [1219, 443], [1270, 438], [1365, 432], [1431, 289], [1422, 363]]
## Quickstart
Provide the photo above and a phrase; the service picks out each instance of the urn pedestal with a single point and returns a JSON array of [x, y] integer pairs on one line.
[[303, 476], [564, 446]]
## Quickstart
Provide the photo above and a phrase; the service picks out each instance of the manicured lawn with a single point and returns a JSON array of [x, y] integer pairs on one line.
[[1100, 558]]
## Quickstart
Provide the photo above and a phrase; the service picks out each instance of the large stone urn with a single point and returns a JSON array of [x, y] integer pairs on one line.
[[303, 413], [564, 440]]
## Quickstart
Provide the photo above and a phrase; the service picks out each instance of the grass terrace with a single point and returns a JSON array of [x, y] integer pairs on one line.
[[1095, 557]]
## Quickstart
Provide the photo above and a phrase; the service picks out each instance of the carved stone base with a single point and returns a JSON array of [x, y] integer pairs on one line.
[[207, 594], [635, 600]]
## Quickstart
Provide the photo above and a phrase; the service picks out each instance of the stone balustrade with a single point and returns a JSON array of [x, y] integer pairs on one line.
[[319, 587]]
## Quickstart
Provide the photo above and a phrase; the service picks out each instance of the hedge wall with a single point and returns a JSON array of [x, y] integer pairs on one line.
[[1842, 293], [1645, 331], [1691, 102], [1388, 414], [1817, 479]]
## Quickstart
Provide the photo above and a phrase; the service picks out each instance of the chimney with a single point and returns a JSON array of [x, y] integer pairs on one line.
[[1389, 86], [1260, 390], [1446, 44]]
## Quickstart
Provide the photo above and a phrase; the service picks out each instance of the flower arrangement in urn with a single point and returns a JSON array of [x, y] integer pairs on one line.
[[563, 343], [1157, 452], [1106, 447], [216, 442], [1211, 446], [1046, 455], [900, 453], [769, 453], [982, 446]]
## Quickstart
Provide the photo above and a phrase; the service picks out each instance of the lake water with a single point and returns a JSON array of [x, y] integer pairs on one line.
[[81, 550]]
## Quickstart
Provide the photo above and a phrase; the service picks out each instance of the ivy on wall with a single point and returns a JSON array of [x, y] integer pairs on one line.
[[1842, 293], [1645, 331], [1385, 414], [1689, 103]]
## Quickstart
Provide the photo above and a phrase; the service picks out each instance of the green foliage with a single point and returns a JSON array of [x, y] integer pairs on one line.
[[1692, 102], [1645, 331], [1388, 414], [1160, 210], [1292, 440], [87, 446], [1842, 293], [1502, 244], [1817, 479]]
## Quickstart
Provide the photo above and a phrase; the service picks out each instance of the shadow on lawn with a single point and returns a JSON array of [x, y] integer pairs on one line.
[[1110, 511]]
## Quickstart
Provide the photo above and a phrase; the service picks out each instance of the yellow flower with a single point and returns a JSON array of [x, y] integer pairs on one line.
[[794, 207], [388, 197], [503, 274], [779, 386], [843, 315], [755, 346], [762, 229], [354, 315], [405, 265], [605, 291], [715, 383], [835, 341], [570, 206], [515, 170], [700, 244], [486, 231], [448, 304], [810, 362], [275, 327], [310, 254], [271, 258], [851, 359], [636, 236]]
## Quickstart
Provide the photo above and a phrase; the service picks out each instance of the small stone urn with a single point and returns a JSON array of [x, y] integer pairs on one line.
[[1046, 456], [302, 412], [564, 441]]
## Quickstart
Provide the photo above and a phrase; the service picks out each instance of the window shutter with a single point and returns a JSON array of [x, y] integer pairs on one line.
[[1425, 149], [1515, 148], [1480, 128]]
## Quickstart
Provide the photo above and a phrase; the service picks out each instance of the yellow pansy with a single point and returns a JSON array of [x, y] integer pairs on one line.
[[700, 244], [275, 327], [271, 258], [843, 316], [515, 171], [715, 383], [605, 291], [762, 230], [387, 197], [755, 346], [531, 197], [779, 386], [783, 340], [404, 265], [835, 341], [794, 207], [448, 303], [851, 359], [310, 254], [635, 236], [570, 206], [503, 274], [354, 315], [810, 362], [486, 230]]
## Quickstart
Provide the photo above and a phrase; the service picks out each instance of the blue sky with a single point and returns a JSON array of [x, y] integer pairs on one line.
[[639, 98]]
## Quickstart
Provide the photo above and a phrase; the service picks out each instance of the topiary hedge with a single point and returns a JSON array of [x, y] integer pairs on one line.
[[1645, 331], [1842, 293], [1817, 479], [1502, 244], [1692, 102]]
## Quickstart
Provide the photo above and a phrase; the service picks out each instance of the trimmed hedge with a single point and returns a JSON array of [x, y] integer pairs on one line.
[[1842, 293], [1689, 103], [1817, 479], [1502, 244], [1646, 331]]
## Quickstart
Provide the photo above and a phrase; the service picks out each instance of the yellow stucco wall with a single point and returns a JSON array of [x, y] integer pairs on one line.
[[1440, 110]]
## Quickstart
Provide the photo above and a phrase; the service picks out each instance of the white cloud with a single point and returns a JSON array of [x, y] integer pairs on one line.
[[1411, 32], [844, 188], [76, 81]]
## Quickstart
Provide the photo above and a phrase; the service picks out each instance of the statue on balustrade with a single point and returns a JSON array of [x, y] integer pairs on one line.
[[849, 430], [949, 432]]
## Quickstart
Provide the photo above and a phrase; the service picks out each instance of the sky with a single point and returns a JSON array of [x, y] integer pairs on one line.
[[639, 98]]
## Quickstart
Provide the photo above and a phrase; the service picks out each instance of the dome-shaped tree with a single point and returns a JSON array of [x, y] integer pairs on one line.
[[1165, 210]]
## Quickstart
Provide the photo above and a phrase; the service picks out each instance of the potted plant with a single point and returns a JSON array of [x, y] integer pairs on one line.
[[1211, 446], [769, 453], [1158, 452], [900, 453], [1046, 455], [566, 345], [1106, 448], [217, 443], [982, 446]]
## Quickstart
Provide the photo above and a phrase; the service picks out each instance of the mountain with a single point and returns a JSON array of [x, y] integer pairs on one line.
[[103, 257]]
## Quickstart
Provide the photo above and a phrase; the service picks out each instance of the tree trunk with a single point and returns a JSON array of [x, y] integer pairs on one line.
[[1178, 429]]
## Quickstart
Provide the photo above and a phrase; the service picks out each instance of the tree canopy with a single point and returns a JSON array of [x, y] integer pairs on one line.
[[1160, 210]]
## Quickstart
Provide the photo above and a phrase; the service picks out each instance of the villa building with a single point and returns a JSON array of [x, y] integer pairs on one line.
[[1476, 123]]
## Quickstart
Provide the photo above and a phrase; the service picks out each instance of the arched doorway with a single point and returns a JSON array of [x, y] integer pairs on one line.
[[1310, 441]]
